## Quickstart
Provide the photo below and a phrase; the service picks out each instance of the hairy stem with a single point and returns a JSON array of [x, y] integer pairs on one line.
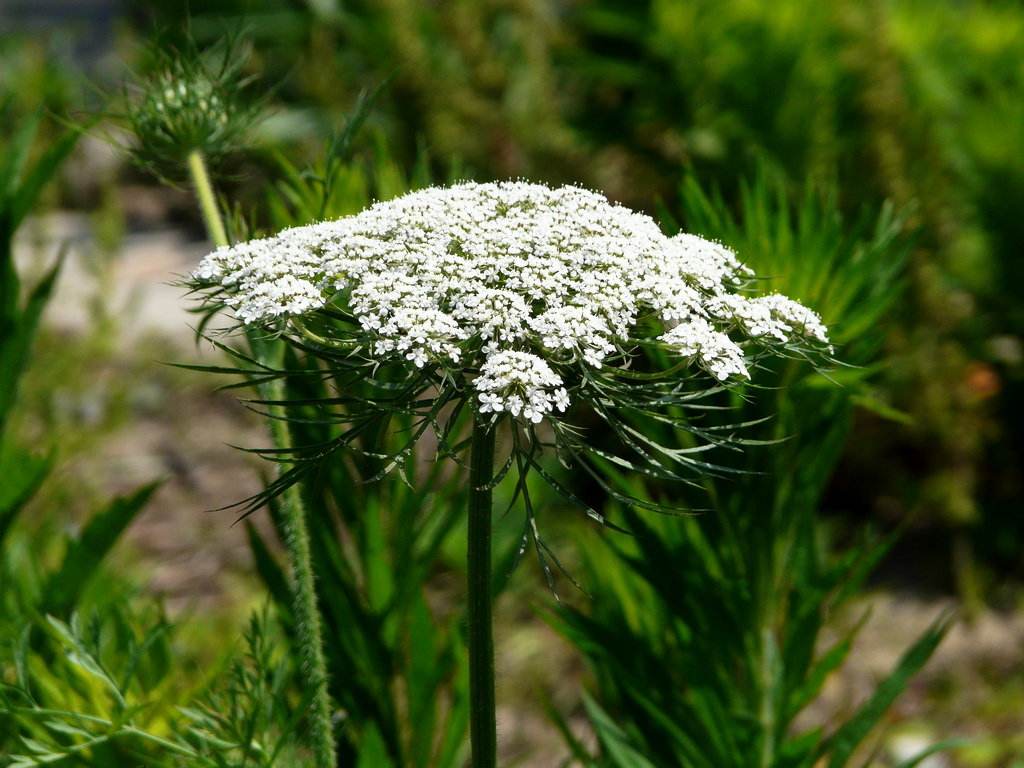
[[308, 632], [482, 722]]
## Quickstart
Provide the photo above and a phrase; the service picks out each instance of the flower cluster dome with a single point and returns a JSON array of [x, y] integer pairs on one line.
[[512, 282]]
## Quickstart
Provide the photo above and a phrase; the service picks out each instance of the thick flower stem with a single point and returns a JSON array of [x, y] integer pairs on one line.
[[308, 632], [482, 722]]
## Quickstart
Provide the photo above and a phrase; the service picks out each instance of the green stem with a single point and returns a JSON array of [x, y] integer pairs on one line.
[[207, 200], [308, 632], [482, 722]]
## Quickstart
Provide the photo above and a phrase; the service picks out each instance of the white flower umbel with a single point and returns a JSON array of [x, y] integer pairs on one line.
[[513, 299], [514, 285]]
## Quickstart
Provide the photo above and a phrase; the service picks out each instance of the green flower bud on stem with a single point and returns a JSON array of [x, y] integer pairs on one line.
[[192, 104]]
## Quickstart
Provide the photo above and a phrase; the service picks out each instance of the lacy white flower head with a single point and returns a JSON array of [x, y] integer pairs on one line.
[[526, 293]]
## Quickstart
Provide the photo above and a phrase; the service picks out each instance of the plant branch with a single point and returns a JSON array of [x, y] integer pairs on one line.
[[207, 200], [308, 632]]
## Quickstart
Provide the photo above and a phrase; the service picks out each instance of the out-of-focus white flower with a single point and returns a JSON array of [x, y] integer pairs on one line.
[[518, 281]]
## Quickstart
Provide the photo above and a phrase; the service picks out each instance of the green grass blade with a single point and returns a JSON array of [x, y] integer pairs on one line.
[[844, 741], [22, 474], [16, 156], [16, 341], [424, 674], [42, 172], [613, 739], [372, 752], [818, 673], [85, 554]]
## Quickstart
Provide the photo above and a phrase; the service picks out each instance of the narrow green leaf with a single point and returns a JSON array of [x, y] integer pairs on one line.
[[844, 741], [372, 751], [924, 754], [452, 750], [41, 173], [85, 554], [423, 674], [22, 475], [16, 342], [613, 738], [576, 748], [16, 155], [829, 661], [378, 569]]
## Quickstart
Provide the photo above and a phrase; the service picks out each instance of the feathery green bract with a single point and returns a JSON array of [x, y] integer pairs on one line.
[[704, 633], [103, 692], [194, 101]]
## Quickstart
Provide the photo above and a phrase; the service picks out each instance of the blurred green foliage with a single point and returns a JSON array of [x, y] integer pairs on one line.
[[704, 634], [912, 101], [27, 589], [86, 677]]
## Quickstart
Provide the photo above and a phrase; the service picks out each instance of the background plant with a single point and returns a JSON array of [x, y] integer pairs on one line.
[[887, 100], [727, 651], [29, 590], [86, 675], [104, 691]]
